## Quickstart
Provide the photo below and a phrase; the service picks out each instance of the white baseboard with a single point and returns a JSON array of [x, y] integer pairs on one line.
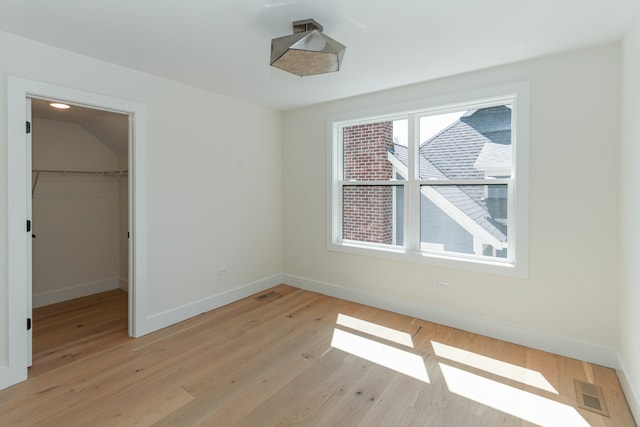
[[167, 318], [123, 284], [632, 395], [65, 294], [10, 375], [542, 340]]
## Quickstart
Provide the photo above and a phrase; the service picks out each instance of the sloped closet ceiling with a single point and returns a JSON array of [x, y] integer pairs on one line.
[[112, 129]]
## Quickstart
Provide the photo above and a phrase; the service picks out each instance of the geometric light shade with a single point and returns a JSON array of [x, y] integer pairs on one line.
[[307, 51]]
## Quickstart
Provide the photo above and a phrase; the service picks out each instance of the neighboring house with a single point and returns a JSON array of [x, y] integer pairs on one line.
[[463, 219]]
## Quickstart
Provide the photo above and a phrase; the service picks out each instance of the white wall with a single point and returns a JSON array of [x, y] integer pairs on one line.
[[571, 291], [75, 218], [630, 214], [123, 225], [214, 179]]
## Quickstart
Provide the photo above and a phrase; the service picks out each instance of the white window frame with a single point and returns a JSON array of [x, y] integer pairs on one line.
[[516, 264]]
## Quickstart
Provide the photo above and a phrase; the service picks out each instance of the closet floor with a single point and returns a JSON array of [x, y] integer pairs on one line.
[[78, 329]]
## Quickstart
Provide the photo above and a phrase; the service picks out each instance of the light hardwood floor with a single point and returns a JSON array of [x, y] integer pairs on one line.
[[295, 358]]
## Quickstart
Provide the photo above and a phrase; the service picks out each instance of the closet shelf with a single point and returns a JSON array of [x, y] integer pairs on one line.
[[121, 172], [38, 172]]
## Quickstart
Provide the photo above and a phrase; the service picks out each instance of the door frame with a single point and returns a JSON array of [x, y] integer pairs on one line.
[[19, 194]]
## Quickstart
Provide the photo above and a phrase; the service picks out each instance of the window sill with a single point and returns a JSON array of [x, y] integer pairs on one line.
[[478, 265]]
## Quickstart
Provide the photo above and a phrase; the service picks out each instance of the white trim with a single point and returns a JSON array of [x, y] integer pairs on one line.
[[28, 141], [478, 264], [451, 103], [481, 181], [71, 292], [517, 264], [186, 311], [18, 90], [333, 202], [123, 284], [632, 394], [394, 214], [397, 164], [542, 340], [17, 207], [411, 202]]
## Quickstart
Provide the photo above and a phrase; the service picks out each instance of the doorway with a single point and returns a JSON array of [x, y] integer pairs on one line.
[[19, 178], [79, 215]]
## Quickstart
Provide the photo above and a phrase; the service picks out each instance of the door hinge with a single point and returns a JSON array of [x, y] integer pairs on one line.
[[28, 225], [28, 324], [28, 127]]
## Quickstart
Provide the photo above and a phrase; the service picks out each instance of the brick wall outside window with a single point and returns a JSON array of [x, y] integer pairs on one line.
[[368, 210]]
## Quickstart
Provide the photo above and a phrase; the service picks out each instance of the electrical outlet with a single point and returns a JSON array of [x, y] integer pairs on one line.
[[443, 285]]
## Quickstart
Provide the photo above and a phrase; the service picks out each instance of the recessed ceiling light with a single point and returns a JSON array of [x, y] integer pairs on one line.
[[60, 106]]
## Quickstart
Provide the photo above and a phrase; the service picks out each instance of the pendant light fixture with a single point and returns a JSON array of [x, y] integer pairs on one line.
[[307, 51]]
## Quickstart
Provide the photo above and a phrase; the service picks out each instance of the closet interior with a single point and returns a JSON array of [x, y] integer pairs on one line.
[[79, 202]]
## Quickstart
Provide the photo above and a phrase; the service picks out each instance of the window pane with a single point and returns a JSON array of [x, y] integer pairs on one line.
[[466, 145], [469, 219], [368, 152], [373, 214]]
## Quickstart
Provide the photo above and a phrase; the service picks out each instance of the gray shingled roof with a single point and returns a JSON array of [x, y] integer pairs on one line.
[[455, 149], [452, 154]]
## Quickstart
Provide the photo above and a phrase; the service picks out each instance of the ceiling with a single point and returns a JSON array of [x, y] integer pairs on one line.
[[112, 129], [224, 45]]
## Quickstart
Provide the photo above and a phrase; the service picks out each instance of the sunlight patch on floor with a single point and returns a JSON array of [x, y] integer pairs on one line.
[[393, 358], [494, 366], [519, 403], [374, 329]]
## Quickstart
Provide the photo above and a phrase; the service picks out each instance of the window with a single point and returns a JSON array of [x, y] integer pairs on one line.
[[437, 183]]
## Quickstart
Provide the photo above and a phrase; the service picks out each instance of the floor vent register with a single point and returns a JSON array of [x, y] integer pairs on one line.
[[590, 397], [267, 296]]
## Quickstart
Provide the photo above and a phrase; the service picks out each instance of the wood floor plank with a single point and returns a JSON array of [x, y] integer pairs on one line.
[[245, 400], [276, 361], [360, 394], [323, 381], [386, 411], [292, 337]]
